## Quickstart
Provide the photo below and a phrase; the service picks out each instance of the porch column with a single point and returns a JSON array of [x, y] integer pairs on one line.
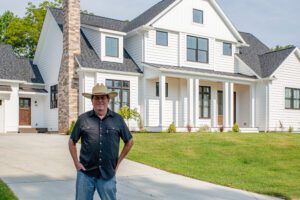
[[214, 110], [162, 98], [226, 104], [252, 105], [231, 104], [190, 94], [144, 100], [196, 101]]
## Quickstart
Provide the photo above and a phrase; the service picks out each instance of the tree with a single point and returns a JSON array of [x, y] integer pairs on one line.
[[128, 114], [278, 47], [5, 20]]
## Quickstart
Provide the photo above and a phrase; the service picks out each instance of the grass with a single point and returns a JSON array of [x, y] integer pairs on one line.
[[5, 192], [262, 163]]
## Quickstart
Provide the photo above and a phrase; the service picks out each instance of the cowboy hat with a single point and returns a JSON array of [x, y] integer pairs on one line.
[[100, 90]]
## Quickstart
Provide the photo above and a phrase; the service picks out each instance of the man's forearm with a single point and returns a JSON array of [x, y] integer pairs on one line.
[[125, 151], [73, 152]]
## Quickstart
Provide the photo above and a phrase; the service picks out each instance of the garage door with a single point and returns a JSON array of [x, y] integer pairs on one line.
[[1, 116]]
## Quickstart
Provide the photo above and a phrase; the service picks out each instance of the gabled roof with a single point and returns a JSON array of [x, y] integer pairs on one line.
[[92, 20], [148, 15], [88, 58], [15, 68], [260, 58]]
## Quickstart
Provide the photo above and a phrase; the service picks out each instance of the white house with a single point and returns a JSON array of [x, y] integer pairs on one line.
[[180, 61]]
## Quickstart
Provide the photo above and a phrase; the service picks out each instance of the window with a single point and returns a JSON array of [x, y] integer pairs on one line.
[[197, 49], [112, 47], [0, 102], [161, 38], [204, 102], [292, 98], [227, 49], [123, 90], [166, 90], [53, 96], [198, 16]]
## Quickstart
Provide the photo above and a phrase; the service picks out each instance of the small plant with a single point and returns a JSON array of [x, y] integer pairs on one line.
[[203, 129], [69, 132], [281, 126], [143, 130], [128, 114], [221, 129], [236, 128], [189, 128], [291, 129], [172, 128]]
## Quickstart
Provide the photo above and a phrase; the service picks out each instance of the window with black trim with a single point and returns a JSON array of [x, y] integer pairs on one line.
[[227, 49], [204, 101], [197, 16], [166, 89], [161, 38], [53, 96], [292, 98], [197, 49], [123, 90], [111, 47]]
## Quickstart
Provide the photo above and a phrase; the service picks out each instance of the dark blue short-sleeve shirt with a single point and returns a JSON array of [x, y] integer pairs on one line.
[[100, 140]]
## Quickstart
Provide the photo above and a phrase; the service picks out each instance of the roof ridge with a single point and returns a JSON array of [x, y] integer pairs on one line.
[[292, 47], [92, 15]]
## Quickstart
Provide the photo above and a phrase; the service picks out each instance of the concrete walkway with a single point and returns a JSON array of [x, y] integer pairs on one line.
[[39, 167]]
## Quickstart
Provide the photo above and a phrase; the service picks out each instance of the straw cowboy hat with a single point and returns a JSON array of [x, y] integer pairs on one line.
[[100, 90]]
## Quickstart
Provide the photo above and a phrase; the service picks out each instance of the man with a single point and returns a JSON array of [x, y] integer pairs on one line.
[[100, 131]]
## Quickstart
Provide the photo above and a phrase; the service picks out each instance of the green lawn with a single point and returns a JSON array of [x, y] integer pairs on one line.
[[262, 163], [5, 192]]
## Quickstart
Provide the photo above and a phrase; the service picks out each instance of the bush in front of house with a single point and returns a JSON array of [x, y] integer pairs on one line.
[[71, 128], [236, 128], [172, 128], [291, 129]]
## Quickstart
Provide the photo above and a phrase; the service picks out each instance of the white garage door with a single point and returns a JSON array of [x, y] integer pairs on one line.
[[1, 116]]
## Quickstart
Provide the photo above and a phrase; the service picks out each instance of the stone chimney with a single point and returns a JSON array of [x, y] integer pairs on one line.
[[68, 78]]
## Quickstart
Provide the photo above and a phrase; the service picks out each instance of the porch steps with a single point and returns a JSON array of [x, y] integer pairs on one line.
[[33, 130]]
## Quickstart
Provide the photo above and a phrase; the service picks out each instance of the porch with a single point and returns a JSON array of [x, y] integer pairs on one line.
[[197, 101]]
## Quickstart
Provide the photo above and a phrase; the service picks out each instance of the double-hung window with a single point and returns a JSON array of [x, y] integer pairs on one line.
[[53, 96], [197, 49], [204, 101], [292, 98], [123, 90]]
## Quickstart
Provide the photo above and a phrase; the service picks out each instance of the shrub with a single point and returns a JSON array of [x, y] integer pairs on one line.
[[128, 114], [203, 129], [71, 128], [189, 128], [143, 130], [291, 129], [172, 128], [236, 128]]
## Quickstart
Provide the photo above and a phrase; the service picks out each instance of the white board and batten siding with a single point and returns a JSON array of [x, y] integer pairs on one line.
[[287, 75], [260, 117], [224, 63], [49, 60], [2, 118]]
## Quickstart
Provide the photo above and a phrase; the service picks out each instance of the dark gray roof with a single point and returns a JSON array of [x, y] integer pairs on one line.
[[148, 15], [259, 57], [191, 69], [5, 88], [15, 68], [30, 89], [92, 20], [88, 58]]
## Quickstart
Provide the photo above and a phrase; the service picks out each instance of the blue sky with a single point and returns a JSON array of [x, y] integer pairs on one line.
[[272, 21]]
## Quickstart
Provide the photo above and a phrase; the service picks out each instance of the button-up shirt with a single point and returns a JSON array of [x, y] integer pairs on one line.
[[100, 140]]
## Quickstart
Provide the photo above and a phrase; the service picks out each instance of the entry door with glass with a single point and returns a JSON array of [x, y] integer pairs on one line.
[[220, 108], [24, 112]]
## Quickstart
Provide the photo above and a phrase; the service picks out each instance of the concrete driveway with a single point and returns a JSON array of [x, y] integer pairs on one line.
[[39, 167]]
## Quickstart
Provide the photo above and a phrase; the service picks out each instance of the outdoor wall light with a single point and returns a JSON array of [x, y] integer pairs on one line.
[[35, 103]]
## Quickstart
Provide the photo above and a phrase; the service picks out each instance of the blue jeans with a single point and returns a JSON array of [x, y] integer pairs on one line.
[[86, 186]]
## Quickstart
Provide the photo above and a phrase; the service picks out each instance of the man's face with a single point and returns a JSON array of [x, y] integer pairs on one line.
[[100, 102]]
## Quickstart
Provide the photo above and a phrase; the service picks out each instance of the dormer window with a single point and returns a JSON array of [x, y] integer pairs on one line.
[[111, 47], [197, 16], [161, 38]]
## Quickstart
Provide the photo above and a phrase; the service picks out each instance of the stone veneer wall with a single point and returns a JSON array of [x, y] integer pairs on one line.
[[68, 79]]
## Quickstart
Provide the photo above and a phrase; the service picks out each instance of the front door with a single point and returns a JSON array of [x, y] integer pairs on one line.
[[220, 108], [25, 112]]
